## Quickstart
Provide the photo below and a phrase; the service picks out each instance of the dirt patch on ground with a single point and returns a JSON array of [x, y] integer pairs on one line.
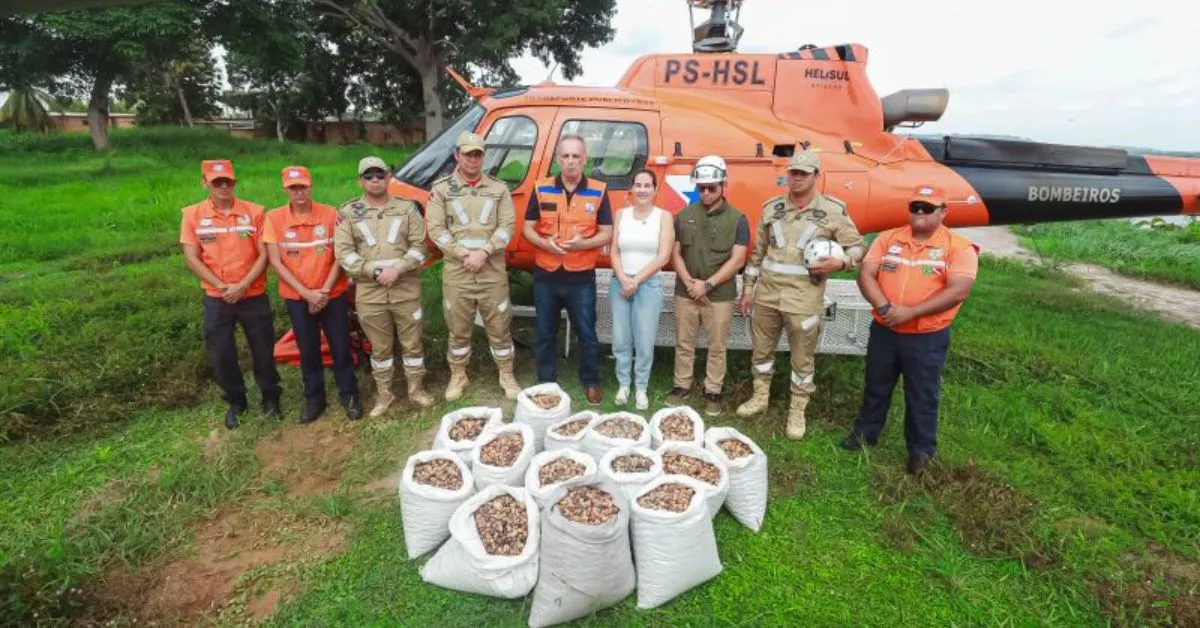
[[307, 459], [1157, 587], [228, 545]]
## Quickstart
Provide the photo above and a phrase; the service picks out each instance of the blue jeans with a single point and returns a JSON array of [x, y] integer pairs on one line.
[[635, 326], [549, 299], [334, 320], [920, 358]]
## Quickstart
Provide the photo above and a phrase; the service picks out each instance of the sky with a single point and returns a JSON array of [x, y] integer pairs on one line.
[[1098, 72]]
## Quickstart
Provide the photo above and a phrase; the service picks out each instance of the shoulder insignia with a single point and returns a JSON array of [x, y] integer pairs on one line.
[[818, 213], [835, 200], [443, 179]]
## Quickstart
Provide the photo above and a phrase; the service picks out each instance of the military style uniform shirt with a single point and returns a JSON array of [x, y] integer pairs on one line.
[[464, 217], [368, 240], [776, 273]]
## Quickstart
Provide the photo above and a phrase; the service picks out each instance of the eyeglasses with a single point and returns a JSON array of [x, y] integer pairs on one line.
[[708, 188], [923, 208], [222, 183], [374, 175]]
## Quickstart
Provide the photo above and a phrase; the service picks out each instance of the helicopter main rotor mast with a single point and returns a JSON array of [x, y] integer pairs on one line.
[[720, 32]]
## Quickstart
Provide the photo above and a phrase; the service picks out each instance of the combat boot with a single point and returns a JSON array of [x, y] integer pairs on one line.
[[795, 419], [383, 393], [757, 403], [458, 381], [508, 381], [416, 391]]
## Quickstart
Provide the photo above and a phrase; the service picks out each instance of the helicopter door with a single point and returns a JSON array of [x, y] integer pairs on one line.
[[619, 143], [852, 188], [515, 141]]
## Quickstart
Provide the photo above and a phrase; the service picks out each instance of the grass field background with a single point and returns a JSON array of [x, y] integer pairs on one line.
[[1064, 493]]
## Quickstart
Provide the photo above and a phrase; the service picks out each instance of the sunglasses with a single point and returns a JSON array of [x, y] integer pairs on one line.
[[221, 183], [374, 175], [923, 208], [708, 188]]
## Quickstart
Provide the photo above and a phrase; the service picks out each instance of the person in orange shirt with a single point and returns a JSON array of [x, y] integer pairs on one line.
[[222, 242], [916, 279], [299, 239]]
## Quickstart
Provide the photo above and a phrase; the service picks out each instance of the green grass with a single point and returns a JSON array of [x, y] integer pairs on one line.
[[1064, 492], [1164, 253]]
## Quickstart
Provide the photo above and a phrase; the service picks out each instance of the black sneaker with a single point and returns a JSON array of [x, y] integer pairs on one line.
[[677, 396], [353, 406], [854, 442], [270, 407], [236, 408], [312, 410], [917, 463], [712, 404]]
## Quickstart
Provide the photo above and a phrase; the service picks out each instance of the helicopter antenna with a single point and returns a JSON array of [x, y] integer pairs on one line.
[[721, 31]]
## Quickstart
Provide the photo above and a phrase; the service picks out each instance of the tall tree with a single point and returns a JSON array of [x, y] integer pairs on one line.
[[426, 34], [177, 88]]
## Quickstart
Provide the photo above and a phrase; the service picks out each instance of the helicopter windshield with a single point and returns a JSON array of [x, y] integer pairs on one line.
[[436, 159]]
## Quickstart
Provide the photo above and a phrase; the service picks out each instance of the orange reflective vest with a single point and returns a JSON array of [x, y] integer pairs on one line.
[[560, 220]]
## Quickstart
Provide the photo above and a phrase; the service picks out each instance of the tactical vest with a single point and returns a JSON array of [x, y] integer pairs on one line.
[[706, 242]]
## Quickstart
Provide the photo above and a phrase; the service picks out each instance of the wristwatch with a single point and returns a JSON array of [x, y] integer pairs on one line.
[[883, 309], [375, 273]]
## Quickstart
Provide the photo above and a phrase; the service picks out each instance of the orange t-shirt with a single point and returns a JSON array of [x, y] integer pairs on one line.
[[228, 242], [305, 247], [911, 272]]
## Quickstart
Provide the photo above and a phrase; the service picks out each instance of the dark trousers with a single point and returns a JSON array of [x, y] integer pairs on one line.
[[920, 359], [220, 321], [334, 320], [549, 299]]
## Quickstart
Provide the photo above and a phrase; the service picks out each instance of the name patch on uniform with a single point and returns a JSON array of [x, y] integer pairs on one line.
[[291, 235], [890, 267], [206, 222], [895, 249]]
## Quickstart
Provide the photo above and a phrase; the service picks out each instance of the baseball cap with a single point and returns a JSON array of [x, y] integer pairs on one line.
[[931, 194], [371, 162], [296, 175], [804, 161], [468, 141], [212, 169]]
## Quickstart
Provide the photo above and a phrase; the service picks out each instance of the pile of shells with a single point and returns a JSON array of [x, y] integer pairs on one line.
[[571, 428], [632, 463], [678, 426], [503, 450], [619, 428], [677, 463], [560, 470], [442, 473], [503, 526], [467, 428], [671, 496], [588, 505], [735, 448], [545, 401]]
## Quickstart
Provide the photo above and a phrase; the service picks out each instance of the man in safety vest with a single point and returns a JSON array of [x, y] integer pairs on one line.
[[471, 219], [222, 242], [380, 242], [568, 220], [787, 294], [299, 239], [916, 279]]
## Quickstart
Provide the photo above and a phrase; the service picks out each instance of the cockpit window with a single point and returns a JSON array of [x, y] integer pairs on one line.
[[436, 159], [615, 150], [510, 145]]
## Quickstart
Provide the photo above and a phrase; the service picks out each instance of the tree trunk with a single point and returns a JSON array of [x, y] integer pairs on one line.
[[173, 83], [434, 113], [98, 111]]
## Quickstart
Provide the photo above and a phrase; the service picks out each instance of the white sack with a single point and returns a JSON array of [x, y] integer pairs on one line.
[[673, 551], [463, 565], [714, 496], [656, 436], [748, 485], [582, 568], [463, 447], [630, 484], [554, 441], [425, 510], [541, 493], [486, 474], [539, 419], [596, 444]]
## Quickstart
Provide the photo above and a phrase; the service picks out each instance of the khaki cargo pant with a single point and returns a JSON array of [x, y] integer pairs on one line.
[[766, 324], [382, 322], [491, 302], [715, 317]]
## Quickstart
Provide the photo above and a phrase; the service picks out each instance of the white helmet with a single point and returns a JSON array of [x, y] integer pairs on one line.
[[709, 169], [822, 247]]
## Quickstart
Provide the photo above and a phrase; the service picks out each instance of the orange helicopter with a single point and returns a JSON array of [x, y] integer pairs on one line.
[[755, 110]]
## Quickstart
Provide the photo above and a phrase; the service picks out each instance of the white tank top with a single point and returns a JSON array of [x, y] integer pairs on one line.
[[638, 241]]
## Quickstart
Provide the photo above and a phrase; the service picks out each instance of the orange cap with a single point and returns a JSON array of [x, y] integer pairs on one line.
[[931, 194], [217, 169], [296, 175]]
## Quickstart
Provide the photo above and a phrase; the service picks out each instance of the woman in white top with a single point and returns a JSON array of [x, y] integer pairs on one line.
[[643, 237]]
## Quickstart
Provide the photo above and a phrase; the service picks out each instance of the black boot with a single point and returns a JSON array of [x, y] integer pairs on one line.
[[353, 406], [312, 410], [917, 463], [855, 442], [237, 407], [270, 407]]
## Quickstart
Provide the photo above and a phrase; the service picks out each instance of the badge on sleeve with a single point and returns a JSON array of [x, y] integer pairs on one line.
[[320, 231]]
